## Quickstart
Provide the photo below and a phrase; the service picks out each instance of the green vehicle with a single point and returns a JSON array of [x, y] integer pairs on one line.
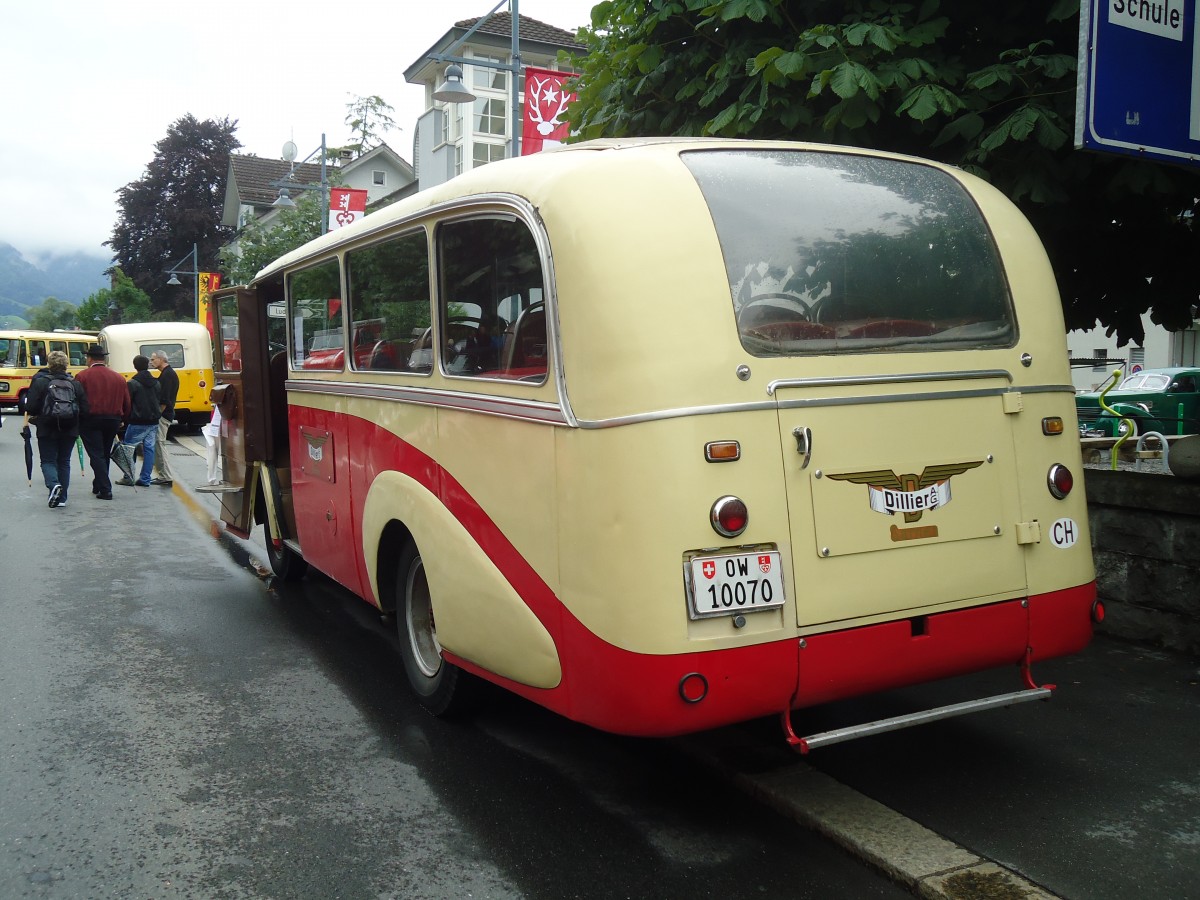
[[1162, 400]]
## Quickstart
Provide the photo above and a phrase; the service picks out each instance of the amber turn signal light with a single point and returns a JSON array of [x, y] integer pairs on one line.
[[722, 451], [1052, 425]]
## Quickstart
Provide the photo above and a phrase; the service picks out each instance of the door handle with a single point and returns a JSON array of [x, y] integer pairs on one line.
[[803, 436]]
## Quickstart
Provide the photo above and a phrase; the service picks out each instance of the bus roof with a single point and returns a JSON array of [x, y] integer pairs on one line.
[[601, 166]]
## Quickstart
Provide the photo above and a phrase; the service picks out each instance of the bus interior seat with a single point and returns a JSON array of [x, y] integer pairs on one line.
[[525, 341]]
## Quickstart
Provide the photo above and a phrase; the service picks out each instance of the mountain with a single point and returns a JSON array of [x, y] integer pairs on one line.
[[71, 276]]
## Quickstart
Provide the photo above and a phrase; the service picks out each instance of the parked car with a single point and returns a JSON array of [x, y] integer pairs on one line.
[[1163, 400]]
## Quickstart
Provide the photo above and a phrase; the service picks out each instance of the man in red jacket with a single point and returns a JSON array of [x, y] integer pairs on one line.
[[108, 408]]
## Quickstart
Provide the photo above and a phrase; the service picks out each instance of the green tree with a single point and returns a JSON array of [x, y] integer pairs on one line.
[[122, 302], [368, 118], [52, 314], [987, 88], [261, 243], [177, 203]]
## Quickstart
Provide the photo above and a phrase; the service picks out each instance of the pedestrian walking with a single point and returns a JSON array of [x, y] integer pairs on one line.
[[55, 404], [108, 408], [144, 413], [168, 390]]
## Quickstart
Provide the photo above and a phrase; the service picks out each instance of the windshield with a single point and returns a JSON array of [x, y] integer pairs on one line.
[[1145, 381], [830, 252]]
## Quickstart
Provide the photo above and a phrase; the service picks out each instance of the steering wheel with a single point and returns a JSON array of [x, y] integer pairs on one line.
[[758, 302]]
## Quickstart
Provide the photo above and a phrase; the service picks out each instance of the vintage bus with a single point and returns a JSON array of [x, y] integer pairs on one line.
[[23, 353], [188, 347], [668, 434]]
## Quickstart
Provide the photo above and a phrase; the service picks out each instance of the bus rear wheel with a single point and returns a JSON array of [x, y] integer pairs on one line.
[[441, 687]]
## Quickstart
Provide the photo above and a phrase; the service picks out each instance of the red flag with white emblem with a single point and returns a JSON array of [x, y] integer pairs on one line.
[[546, 102]]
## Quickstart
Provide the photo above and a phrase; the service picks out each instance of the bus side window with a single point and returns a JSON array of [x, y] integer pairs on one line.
[[490, 300], [389, 304], [315, 311]]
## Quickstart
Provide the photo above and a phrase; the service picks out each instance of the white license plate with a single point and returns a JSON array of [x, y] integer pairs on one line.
[[736, 583]]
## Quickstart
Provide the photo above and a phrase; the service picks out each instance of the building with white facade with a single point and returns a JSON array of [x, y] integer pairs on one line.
[[1095, 354], [451, 138]]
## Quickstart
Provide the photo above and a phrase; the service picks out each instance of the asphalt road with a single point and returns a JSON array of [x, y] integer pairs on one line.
[[175, 726]]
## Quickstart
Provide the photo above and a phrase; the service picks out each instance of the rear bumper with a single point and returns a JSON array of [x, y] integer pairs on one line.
[[874, 658]]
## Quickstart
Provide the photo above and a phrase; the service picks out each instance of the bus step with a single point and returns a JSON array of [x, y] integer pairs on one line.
[[836, 736]]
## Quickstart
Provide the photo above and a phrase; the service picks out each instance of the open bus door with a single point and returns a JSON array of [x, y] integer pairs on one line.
[[250, 370]]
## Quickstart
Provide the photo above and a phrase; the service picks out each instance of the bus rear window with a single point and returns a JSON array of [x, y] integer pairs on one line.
[[829, 252]]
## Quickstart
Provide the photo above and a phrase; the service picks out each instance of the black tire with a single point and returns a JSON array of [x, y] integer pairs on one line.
[[287, 564], [441, 687]]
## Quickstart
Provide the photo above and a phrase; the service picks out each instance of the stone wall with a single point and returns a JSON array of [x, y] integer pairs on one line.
[[1146, 542]]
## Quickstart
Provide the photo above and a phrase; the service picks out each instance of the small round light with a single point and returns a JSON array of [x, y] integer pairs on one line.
[[1097, 611], [729, 516], [693, 687], [1060, 481]]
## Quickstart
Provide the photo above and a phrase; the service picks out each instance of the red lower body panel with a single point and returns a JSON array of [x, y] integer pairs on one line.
[[630, 693]]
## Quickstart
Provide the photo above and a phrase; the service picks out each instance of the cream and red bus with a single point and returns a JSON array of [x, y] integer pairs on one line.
[[24, 353], [668, 434]]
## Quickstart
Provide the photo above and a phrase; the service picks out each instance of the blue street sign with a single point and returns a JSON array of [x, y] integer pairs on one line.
[[1139, 79]]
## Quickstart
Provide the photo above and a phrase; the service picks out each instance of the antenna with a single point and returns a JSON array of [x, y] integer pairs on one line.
[[289, 151]]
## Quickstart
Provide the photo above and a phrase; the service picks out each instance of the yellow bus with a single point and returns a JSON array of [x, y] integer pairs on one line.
[[669, 434], [188, 347], [23, 353]]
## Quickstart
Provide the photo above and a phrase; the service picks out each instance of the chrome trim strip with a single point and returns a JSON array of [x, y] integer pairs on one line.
[[684, 412], [915, 378], [507, 407], [549, 413]]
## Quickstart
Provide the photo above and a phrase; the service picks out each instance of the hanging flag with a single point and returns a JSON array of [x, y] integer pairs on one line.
[[209, 282], [545, 105], [346, 205]]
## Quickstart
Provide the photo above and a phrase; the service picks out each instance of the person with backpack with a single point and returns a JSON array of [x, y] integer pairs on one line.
[[144, 412], [55, 404]]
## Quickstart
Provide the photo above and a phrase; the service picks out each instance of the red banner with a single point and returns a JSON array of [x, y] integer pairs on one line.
[[544, 122], [346, 205]]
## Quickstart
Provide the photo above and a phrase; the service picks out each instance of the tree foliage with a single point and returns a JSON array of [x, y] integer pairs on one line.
[[176, 203], [990, 89], [52, 314], [122, 302], [368, 118]]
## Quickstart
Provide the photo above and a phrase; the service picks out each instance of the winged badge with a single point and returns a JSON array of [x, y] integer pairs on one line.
[[912, 495]]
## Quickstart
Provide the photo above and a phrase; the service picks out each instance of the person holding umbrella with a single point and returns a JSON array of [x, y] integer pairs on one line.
[[108, 407], [55, 404]]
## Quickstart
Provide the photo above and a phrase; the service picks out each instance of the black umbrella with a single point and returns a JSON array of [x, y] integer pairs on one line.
[[123, 458], [28, 454]]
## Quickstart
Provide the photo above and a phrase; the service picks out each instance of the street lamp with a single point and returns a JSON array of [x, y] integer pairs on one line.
[[176, 271], [286, 185], [452, 89]]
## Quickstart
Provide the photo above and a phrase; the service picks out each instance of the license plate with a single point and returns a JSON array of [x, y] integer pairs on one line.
[[735, 583]]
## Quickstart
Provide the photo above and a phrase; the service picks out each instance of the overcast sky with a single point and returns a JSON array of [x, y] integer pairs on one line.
[[90, 86]]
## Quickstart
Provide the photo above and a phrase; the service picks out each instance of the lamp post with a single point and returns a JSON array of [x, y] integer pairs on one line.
[[286, 184], [175, 271], [452, 90]]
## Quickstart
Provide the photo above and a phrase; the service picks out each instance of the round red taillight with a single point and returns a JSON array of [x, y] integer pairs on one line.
[[729, 517], [1060, 480], [1098, 611]]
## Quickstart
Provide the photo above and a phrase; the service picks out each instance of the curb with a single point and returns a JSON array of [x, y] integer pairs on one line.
[[909, 853]]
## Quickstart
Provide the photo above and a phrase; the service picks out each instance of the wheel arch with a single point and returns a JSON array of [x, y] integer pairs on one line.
[[473, 600]]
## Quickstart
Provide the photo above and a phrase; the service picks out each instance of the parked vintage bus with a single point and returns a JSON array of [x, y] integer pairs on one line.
[[668, 434], [23, 353], [188, 346]]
